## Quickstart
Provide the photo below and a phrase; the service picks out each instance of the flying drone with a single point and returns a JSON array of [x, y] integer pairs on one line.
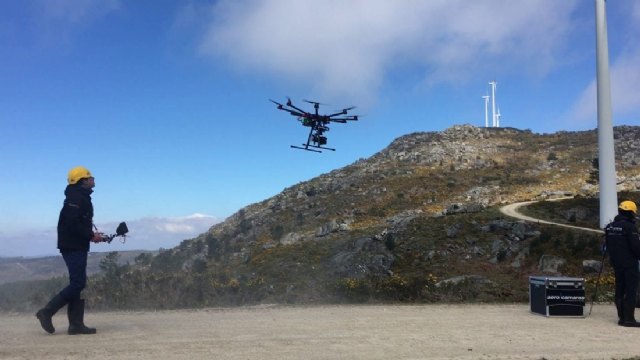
[[317, 123]]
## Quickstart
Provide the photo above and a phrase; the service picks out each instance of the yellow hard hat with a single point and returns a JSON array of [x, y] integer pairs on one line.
[[78, 173], [628, 206]]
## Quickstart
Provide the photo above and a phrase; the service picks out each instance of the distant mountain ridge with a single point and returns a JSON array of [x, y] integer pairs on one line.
[[13, 269]]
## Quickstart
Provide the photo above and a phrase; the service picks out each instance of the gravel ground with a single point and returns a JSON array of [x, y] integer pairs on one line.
[[327, 332]]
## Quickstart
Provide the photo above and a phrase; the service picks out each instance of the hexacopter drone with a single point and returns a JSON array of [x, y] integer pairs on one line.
[[317, 123]]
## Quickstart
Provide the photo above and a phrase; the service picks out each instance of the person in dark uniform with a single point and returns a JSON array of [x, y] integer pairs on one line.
[[75, 232], [623, 244]]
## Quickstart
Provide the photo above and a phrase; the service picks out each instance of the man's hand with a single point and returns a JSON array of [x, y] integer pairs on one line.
[[97, 237]]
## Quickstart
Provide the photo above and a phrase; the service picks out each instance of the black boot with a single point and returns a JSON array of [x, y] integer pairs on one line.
[[75, 311], [46, 313], [629, 317], [620, 307]]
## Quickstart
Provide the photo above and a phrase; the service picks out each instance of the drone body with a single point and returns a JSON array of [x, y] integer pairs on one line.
[[317, 123]]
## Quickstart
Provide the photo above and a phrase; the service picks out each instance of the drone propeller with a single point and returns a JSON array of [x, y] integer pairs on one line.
[[296, 112], [277, 103], [313, 102], [300, 111]]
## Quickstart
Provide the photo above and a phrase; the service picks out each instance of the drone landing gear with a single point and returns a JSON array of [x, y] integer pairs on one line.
[[306, 147]]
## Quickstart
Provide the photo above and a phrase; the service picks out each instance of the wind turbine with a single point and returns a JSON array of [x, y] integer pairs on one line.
[[606, 150], [493, 101], [498, 117], [486, 110]]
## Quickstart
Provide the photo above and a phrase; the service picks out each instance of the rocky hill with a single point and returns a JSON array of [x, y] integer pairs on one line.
[[418, 221], [463, 169], [422, 210]]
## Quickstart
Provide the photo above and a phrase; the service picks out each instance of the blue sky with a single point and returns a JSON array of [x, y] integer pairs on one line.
[[166, 102]]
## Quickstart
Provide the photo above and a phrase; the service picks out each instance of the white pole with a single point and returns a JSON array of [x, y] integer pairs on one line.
[[493, 102], [486, 110], [606, 151]]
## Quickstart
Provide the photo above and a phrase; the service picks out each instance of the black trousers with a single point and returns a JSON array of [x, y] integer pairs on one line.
[[76, 261], [627, 284]]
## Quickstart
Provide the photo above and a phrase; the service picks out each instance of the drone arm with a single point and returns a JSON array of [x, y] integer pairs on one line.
[[343, 112], [289, 104], [277, 103], [294, 113], [343, 120], [282, 107]]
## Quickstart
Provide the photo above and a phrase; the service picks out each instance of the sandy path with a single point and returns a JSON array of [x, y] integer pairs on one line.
[[327, 332]]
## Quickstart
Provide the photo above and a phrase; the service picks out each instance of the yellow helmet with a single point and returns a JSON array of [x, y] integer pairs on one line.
[[628, 206], [78, 173]]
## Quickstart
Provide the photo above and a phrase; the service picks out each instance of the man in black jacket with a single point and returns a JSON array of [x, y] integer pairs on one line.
[[75, 231], [623, 245]]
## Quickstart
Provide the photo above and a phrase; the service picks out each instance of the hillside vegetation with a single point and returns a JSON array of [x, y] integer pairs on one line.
[[416, 222]]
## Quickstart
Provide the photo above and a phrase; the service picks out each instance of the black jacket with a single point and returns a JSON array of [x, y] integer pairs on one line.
[[75, 224], [623, 242]]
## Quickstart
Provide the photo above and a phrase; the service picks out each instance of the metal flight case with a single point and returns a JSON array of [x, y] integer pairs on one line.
[[557, 296]]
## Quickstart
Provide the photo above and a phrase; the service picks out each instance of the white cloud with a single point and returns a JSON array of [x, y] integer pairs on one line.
[[56, 23], [356, 42], [624, 81], [584, 109], [149, 233], [31, 243]]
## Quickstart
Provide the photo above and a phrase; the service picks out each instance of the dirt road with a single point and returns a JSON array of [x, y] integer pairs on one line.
[[512, 211], [327, 332]]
